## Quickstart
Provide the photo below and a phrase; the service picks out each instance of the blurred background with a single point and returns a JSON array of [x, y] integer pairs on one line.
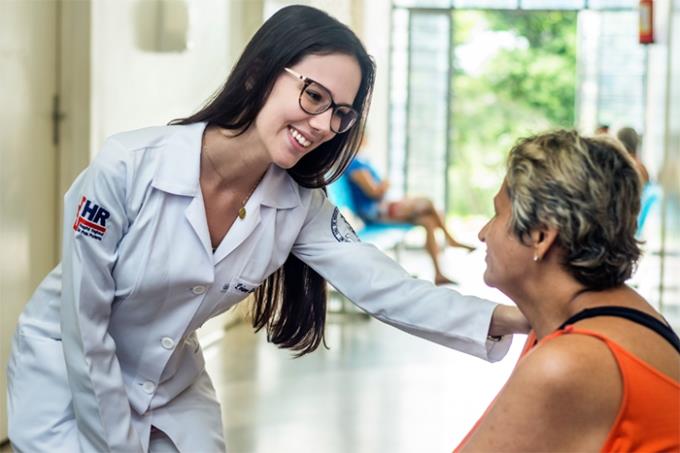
[[458, 82]]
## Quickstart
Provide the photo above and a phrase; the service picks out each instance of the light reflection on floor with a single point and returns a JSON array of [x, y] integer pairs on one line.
[[375, 389]]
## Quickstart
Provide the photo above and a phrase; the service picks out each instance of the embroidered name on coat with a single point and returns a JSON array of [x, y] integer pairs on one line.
[[243, 288], [91, 219]]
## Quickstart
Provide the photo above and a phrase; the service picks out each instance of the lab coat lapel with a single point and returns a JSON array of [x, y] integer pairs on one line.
[[239, 231], [178, 173], [195, 215], [274, 191]]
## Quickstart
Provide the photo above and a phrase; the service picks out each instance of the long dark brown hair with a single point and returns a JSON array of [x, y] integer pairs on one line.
[[291, 303]]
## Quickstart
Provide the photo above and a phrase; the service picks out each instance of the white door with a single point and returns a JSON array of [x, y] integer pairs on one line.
[[28, 172]]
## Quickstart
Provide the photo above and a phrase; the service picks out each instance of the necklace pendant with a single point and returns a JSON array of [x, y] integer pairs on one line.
[[242, 213]]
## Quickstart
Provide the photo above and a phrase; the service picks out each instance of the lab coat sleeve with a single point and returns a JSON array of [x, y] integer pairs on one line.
[[378, 285], [95, 220]]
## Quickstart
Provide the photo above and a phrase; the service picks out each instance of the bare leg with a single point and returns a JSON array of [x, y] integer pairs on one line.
[[432, 248], [415, 210]]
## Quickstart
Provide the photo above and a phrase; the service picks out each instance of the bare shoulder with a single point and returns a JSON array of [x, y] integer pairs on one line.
[[569, 364], [563, 395]]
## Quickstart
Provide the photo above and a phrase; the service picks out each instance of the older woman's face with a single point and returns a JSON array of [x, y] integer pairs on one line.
[[506, 257]]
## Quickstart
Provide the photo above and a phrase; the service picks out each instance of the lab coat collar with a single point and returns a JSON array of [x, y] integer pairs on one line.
[[180, 165], [179, 169], [279, 189]]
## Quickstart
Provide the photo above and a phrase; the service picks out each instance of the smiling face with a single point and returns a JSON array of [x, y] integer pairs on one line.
[[287, 132], [507, 257]]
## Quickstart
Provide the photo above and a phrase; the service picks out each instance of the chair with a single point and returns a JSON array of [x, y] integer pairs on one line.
[[385, 235], [651, 195]]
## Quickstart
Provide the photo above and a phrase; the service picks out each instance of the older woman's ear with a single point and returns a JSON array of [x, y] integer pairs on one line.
[[542, 240]]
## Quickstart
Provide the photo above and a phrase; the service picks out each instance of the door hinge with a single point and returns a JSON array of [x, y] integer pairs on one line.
[[57, 117]]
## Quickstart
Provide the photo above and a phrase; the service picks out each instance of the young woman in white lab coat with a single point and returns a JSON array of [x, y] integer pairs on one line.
[[172, 225]]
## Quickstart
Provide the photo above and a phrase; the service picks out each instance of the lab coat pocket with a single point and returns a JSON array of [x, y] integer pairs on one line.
[[32, 344], [39, 389]]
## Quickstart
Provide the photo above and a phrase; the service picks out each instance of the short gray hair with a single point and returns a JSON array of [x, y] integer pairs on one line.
[[587, 188]]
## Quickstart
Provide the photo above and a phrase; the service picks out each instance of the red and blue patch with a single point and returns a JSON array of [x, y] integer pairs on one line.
[[91, 219]]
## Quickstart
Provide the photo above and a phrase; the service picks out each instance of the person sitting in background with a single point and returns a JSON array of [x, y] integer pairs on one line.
[[369, 191], [631, 141], [601, 367], [602, 129]]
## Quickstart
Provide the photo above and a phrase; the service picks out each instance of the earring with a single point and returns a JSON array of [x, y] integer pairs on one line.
[[536, 258]]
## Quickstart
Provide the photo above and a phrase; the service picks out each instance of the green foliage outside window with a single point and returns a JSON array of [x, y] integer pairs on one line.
[[526, 84]]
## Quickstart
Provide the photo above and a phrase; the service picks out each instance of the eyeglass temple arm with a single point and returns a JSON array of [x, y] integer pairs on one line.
[[295, 74]]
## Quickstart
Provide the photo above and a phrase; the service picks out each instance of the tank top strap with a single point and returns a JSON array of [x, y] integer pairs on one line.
[[571, 329], [533, 341], [663, 329], [577, 330]]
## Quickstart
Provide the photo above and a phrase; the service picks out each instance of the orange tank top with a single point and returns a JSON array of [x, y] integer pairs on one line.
[[649, 417]]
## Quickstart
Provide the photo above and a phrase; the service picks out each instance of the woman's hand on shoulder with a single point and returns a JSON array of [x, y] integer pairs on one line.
[[562, 396], [507, 320]]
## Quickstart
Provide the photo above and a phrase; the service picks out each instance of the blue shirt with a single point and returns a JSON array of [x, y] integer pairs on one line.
[[367, 208]]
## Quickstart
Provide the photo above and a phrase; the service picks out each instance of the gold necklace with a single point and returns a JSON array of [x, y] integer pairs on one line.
[[242, 210]]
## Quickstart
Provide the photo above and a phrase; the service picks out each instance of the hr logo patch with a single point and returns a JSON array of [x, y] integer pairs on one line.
[[91, 219]]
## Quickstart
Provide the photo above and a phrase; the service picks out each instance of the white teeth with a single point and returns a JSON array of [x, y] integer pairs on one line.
[[299, 138]]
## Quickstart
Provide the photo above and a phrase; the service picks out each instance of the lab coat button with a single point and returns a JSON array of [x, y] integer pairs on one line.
[[148, 387], [198, 290], [167, 342]]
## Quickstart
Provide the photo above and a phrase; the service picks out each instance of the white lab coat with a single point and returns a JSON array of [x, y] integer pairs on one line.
[[106, 347]]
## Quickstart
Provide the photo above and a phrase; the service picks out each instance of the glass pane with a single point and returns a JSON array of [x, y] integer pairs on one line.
[[552, 4], [613, 4], [398, 96], [500, 4], [428, 93], [621, 71], [423, 3], [669, 177]]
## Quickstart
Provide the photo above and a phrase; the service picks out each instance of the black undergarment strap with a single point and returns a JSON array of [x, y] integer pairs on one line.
[[631, 314]]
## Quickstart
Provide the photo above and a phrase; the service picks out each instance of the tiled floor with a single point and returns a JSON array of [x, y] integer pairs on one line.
[[375, 390]]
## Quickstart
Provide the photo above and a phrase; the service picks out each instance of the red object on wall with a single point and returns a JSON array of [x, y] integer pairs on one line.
[[646, 21]]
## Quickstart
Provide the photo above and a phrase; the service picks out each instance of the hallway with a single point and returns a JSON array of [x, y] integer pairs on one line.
[[374, 390]]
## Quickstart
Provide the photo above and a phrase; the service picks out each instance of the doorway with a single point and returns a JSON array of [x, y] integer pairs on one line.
[[30, 181]]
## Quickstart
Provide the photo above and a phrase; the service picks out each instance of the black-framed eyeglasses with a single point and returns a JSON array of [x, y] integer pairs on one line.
[[316, 99]]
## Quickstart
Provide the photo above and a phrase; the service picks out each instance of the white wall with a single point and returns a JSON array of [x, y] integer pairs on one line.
[[132, 88], [376, 38]]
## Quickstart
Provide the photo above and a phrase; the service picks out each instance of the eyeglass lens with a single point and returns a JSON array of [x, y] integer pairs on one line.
[[315, 99]]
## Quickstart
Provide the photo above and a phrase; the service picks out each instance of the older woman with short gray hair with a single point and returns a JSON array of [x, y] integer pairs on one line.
[[601, 367], [588, 189]]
